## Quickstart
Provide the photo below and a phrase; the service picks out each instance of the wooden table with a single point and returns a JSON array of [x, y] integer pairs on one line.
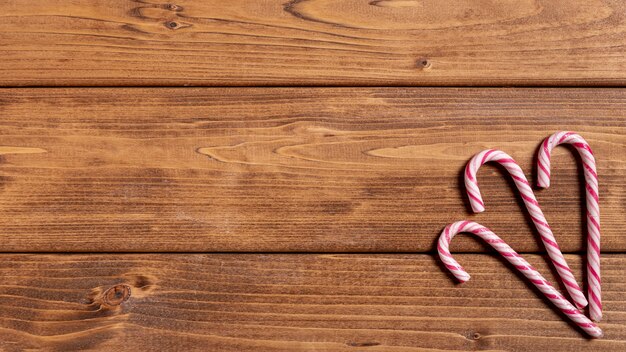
[[274, 175]]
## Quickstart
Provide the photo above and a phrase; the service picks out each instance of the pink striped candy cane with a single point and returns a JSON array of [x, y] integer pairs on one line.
[[471, 184], [593, 209], [522, 265]]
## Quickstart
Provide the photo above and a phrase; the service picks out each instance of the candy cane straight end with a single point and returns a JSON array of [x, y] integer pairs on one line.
[[477, 208], [581, 304], [462, 277], [543, 183], [460, 281], [597, 333], [459, 273]]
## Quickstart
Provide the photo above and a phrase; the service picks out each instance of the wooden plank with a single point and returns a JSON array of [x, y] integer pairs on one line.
[[234, 302], [314, 42], [292, 169]]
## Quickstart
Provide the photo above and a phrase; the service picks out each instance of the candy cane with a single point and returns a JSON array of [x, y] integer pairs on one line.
[[593, 209], [522, 265], [471, 184]]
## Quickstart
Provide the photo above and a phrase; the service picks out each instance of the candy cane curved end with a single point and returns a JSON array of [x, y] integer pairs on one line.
[[520, 264], [471, 182], [545, 153], [443, 247]]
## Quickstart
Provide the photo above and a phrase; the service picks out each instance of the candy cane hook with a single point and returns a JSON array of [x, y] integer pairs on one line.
[[593, 209], [522, 265], [528, 196]]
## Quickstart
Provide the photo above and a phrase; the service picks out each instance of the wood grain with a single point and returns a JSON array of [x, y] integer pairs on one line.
[[234, 302], [292, 169], [313, 42]]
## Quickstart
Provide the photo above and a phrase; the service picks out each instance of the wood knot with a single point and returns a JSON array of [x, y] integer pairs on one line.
[[174, 25], [174, 7], [424, 63], [171, 24], [473, 336], [116, 295], [110, 299]]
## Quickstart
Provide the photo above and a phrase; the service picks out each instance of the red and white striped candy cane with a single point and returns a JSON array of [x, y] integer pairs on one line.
[[528, 196], [593, 209], [522, 265]]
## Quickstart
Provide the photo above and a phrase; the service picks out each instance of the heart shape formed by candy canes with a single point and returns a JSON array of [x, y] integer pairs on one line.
[[528, 196], [540, 222]]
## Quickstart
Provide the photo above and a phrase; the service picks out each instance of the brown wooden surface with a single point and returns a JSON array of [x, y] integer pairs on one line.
[[313, 42], [320, 170], [288, 302], [324, 170]]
